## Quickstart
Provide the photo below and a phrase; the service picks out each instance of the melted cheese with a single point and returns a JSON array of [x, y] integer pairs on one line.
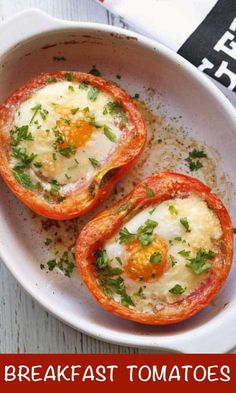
[[62, 106], [205, 231]]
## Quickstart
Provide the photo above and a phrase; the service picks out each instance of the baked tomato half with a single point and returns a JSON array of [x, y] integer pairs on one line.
[[159, 255], [65, 140]]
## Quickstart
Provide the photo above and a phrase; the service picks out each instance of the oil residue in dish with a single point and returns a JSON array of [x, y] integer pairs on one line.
[[168, 145]]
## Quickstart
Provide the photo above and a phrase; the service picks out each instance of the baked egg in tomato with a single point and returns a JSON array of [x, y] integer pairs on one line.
[[66, 138], [159, 255]]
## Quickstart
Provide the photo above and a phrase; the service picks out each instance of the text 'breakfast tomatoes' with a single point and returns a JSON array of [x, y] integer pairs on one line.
[[65, 140], [159, 255]]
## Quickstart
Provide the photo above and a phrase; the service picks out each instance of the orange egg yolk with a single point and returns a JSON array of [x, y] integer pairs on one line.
[[140, 266], [75, 131]]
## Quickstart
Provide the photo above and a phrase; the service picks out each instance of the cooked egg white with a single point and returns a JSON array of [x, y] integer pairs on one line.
[[205, 230], [65, 107]]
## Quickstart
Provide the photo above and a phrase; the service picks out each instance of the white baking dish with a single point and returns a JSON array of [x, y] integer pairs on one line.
[[28, 43]]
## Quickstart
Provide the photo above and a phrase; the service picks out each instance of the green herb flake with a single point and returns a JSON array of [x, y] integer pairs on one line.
[[177, 290], [68, 151], [184, 253], [22, 155], [199, 264], [93, 93], [150, 193], [38, 164], [119, 260], [83, 85], [152, 211], [51, 79], [125, 236], [145, 232], [52, 263], [71, 88], [172, 209], [156, 258], [95, 163], [47, 241], [20, 134], [173, 260], [109, 134], [22, 178], [74, 111], [42, 266], [54, 188], [185, 223], [69, 76], [195, 153], [101, 259]]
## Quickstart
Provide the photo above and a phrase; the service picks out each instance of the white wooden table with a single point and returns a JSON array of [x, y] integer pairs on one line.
[[24, 325]]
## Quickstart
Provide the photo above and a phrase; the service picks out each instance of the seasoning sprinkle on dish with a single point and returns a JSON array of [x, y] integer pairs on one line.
[[159, 255], [66, 138]]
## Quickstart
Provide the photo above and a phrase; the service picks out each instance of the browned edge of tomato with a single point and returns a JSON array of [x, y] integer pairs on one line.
[[94, 191], [165, 186]]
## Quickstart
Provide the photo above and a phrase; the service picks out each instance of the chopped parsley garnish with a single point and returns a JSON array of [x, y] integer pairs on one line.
[[185, 223], [52, 263], [74, 111], [113, 108], [23, 156], [54, 188], [156, 258], [195, 153], [69, 77], [36, 110], [193, 159], [47, 241], [38, 164], [150, 193], [125, 236], [123, 119], [234, 230], [61, 198], [109, 134], [145, 232], [95, 163], [66, 263], [184, 253], [68, 151], [152, 211], [101, 259], [94, 71], [44, 113], [173, 260], [22, 178], [199, 264], [109, 278], [93, 93], [136, 96], [177, 290], [71, 88], [172, 209], [20, 134], [119, 260], [51, 79], [83, 85]]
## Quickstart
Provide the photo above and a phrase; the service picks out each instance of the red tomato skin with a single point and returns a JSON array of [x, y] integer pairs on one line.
[[166, 185]]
